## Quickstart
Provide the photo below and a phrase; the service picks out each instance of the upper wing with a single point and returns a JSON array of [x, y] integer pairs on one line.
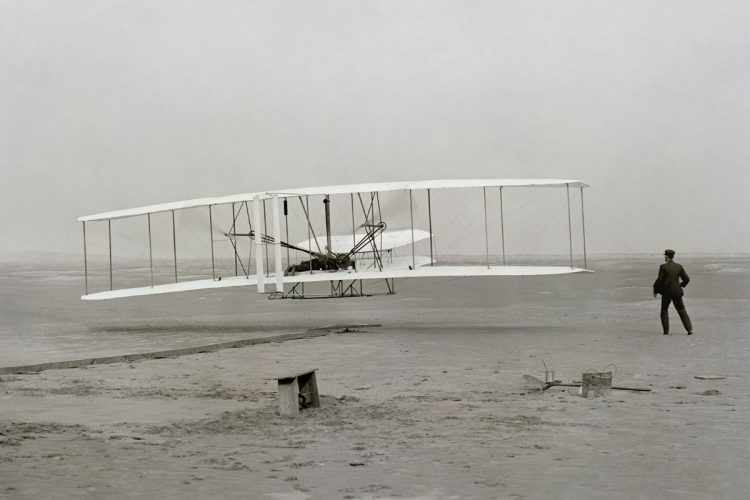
[[377, 187]]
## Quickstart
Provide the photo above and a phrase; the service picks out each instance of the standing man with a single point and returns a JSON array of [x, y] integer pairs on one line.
[[670, 282]]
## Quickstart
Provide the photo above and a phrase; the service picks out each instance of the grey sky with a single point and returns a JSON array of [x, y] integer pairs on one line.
[[108, 105]]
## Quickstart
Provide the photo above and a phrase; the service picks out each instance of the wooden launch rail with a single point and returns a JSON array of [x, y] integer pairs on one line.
[[173, 353]]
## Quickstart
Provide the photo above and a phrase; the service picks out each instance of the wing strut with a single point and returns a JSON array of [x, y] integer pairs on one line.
[[109, 246], [234, 230], [265, 231], [411, 215], [174, 247], [370, 225], [380, 217], [327, 206], [150, 250], [249, 246], [259, 272], [306, 209], [570, 227], [583, 226], [211, 235], [85, 262], [237, 258], [354, 229], [309, 224], [286, 228], [429, 221], [486, 235], [369, 237], [502, 224], [390, 287], [279, 273]]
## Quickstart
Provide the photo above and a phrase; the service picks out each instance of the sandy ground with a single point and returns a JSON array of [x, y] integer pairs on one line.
[[435, 412], [425, 415]]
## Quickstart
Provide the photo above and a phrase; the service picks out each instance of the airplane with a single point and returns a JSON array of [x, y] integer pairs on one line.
[[345, 261]]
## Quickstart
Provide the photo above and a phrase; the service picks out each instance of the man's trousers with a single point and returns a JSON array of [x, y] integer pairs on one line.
[[680, 306]]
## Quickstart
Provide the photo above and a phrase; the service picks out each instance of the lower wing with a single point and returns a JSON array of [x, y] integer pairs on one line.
[[401, 268]]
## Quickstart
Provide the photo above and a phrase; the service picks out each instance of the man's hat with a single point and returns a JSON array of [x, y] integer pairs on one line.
[[669, 253]]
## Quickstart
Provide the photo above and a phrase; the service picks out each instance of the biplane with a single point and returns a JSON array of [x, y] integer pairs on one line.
[[268, 259]]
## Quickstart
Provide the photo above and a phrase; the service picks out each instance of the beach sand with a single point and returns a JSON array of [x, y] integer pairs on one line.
[[431, 405]]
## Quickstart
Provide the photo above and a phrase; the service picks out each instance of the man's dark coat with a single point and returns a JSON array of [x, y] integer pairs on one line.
[[668, 282]]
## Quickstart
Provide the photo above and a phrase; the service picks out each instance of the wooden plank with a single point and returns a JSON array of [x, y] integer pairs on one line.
[[289, 397], [308, 386], [170, 353], [298, 374]]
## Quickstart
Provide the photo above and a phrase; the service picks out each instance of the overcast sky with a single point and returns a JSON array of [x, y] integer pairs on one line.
[[111, 104]]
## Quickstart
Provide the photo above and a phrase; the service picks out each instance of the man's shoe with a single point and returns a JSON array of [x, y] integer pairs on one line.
[[690, 333], [666, 333]]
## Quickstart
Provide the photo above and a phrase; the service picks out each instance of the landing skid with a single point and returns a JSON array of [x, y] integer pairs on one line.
[[338, 289]]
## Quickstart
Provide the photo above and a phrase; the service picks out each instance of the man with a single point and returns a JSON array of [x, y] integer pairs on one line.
[[670, 287]]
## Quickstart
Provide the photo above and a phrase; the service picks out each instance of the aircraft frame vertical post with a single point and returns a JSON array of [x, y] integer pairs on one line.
[[265, 232], [429, 222], [286, 229], [211, 234], [259, 272], [583, 228], [85, 262], [327, 207], [278, 272], [234, 231], [109, 246], [309, 230], [486, 232], [249, 243], [354, 229], [570, 225], [150, 250], [411, 214], [174, 246], [502, 225]]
